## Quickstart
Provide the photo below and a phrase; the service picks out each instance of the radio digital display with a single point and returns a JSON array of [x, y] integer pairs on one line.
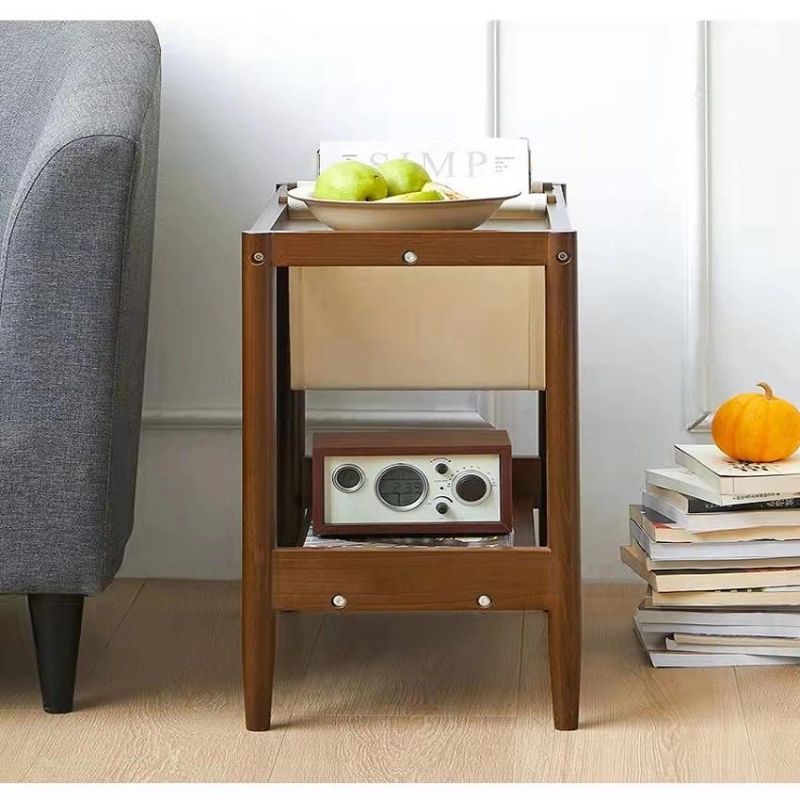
[[402, 487]]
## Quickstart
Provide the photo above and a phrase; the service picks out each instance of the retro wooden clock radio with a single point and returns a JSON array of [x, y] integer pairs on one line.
[[500, 302], [412, 482]]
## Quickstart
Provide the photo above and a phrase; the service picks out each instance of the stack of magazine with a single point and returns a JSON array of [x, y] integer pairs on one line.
[[718, 542]]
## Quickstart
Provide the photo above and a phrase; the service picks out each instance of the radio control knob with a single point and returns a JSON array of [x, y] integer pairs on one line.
[[442, 508], [472, 487], [442, 468]]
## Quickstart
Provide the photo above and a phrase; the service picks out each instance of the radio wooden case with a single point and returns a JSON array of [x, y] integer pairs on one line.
[[406, 482]]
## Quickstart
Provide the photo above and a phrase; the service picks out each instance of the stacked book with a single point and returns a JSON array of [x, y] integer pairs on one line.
[[718, 542]]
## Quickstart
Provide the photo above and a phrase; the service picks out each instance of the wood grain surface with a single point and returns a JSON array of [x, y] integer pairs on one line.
[[165, 704], [637, 723], [407, 664], [408, 579], [259, 507], [432, 248], [771, 703], [398, 749], [24, 728], [562, 478], [383, 697]]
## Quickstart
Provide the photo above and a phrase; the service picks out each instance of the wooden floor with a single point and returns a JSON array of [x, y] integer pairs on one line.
[[404, 697]]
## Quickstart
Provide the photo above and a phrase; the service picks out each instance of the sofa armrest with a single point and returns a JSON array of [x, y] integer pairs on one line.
[[74, 286]]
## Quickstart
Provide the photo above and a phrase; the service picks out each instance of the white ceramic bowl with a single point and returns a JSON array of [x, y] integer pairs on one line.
[[363, 215]]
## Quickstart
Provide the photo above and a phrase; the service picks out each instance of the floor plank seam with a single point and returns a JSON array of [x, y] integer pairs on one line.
[[746, 725], [60, 721], [519, 665], [311, 651], [290, 716]]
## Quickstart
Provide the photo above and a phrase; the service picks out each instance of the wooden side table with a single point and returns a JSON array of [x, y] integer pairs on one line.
[[278, 573]]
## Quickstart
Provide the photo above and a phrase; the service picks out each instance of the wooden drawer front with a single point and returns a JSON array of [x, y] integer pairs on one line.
[[407, 580], [417, 328]]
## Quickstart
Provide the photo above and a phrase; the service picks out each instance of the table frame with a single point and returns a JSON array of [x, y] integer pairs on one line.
[[279, 575]]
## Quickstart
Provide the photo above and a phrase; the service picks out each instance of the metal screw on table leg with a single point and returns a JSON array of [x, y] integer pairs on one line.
[[338, 601], [563, 257], [258, 258], [484, 601], [410, 257]]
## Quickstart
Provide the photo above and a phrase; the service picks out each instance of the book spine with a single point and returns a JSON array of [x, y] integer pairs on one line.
[[698, 506], [692, 491], [714, 581], [741, 598]]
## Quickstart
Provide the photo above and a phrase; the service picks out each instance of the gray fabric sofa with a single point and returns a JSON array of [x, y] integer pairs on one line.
[[79, 112]]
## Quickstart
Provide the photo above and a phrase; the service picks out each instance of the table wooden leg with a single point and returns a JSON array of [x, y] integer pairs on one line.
[[565, 664], [562, 477], [258, 456], [290, 427]]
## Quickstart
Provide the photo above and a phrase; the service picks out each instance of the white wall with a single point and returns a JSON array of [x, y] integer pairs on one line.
[[610, 109], [755, 163], [243, 107]]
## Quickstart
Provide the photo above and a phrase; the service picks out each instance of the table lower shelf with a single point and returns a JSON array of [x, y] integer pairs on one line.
[[417, 578]]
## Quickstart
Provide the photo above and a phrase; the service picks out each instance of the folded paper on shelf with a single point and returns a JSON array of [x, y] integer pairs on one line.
[[476, 167]]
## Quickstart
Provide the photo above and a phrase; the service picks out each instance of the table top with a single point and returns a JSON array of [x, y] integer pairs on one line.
[[276, 218], [295, 240]]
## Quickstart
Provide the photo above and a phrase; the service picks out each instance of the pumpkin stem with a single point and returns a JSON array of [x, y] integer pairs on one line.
[[767, 389]]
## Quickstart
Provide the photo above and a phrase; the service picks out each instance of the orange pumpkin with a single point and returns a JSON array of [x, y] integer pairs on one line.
[[757, 427]]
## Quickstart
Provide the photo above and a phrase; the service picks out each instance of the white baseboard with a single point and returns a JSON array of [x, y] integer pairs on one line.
[[371, 418]]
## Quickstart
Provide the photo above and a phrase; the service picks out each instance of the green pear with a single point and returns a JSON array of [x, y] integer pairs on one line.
[[350, 180], [403, 176], [413, 197], [446, 192]]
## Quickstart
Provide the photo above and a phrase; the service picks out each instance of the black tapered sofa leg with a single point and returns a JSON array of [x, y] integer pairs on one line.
[[56, 621]]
